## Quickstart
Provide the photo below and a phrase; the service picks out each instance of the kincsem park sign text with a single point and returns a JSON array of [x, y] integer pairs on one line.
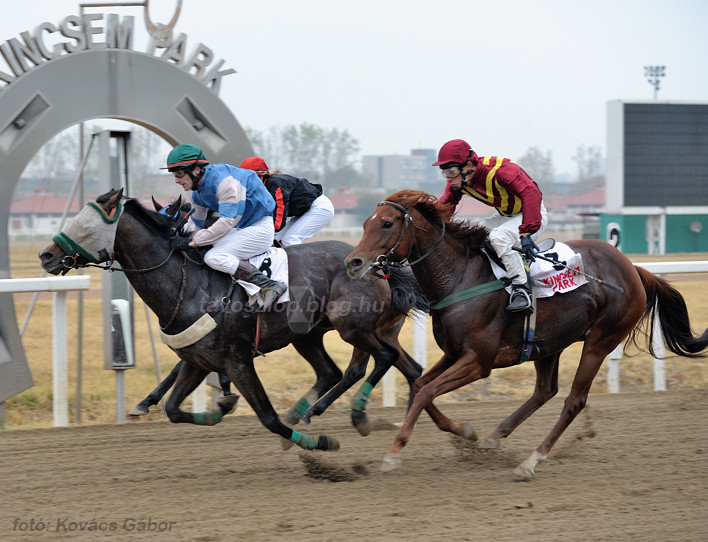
[[77, 33]]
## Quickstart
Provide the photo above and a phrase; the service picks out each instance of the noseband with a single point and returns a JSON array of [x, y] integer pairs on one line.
[[383, 261]]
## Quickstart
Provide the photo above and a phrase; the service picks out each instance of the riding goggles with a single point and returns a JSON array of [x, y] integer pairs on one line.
[[179, 173], [451, 172]]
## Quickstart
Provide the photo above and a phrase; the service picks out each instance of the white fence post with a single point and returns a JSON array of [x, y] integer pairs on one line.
[[389, 387], [60, 374], [613, 370], [199, 397], [58, 285], [420, 338], [659, 354]]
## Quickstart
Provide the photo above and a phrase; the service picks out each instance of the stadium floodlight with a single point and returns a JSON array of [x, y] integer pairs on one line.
[[653, 75]]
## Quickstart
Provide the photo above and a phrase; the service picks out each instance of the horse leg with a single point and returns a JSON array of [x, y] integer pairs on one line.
[[328, 374], [225, 384], [154, 397], [354, 372], [384, 356], [464, 430], [408, 367], [243, 374], [546, 388], [188, 379], [465, 370], [593, 355]]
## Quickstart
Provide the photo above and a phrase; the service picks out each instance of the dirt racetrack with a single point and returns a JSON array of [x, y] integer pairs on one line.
[[632, 467]]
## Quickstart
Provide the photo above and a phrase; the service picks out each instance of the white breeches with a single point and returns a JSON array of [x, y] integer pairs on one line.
[[504, 234], [240, 244], [299, 228]]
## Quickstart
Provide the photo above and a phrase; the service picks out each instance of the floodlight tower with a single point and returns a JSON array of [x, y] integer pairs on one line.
[[653, 75]]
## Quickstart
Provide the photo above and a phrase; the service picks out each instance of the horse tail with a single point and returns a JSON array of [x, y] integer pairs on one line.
[[673, 318], [406, 293]]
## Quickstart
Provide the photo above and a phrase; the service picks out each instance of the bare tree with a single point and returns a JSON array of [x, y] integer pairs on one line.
[[322, 155], [590, 163], [539, 166]]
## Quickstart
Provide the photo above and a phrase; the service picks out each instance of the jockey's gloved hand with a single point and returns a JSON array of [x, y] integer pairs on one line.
[[528, 248], [180, 243]]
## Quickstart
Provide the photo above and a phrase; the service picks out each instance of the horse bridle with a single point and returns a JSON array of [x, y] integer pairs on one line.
[[383, 262], [107, 263]]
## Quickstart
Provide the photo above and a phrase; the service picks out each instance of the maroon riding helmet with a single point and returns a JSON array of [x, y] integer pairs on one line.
[[455, 152]]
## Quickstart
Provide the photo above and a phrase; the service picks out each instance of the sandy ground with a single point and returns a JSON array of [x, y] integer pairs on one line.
[[632, 467]]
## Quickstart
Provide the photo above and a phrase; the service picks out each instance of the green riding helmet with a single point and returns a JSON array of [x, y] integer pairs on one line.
[[185, 155]]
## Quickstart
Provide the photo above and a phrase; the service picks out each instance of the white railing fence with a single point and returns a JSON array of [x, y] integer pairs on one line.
[[61, 285], [613, 370], [60, 377]]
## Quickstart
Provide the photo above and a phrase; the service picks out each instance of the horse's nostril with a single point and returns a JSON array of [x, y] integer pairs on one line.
[[355, 263]]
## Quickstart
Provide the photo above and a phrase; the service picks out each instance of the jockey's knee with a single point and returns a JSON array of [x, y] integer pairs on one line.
[[502, 240]]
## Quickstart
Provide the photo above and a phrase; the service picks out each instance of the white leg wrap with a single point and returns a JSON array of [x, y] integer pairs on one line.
[[527, 467]]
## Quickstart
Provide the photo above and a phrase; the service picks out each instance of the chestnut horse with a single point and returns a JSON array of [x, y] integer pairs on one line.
[[477, 334], [213, 322]]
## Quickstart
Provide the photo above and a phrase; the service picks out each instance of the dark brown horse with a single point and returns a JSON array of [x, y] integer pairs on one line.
[[477, 334], [199, 304], [400, 285]]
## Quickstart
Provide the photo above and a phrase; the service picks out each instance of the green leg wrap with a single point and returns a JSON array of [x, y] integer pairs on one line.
[[362, 396], [296, 411], [207, 418], [304, 441]]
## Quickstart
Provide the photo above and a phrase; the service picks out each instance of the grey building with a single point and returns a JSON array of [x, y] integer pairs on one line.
[[394, 172]]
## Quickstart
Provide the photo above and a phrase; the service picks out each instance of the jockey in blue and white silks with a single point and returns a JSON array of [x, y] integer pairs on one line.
[[244, 227]]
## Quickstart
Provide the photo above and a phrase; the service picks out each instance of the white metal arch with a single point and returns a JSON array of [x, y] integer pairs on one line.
[[99, 83]]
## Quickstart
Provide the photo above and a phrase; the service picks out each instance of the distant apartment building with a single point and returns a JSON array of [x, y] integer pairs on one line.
[[394, 172]]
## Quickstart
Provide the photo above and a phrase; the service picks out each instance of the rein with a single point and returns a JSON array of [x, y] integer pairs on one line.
[[383, 261], [109, 261], [451, 297]]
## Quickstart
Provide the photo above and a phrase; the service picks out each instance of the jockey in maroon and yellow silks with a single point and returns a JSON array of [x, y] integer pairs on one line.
[[519, 215], [504, 185]]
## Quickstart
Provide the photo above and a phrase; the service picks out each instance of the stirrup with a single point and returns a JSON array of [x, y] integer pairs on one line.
[[520, 299], [271, 294]]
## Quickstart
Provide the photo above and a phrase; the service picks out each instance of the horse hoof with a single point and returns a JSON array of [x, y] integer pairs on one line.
[[227, 403], [523, 472], [360, 421], [469, 433], [390, 463], [287, 444], [488, 444], [332, 444], [364, 428], [139, 410]]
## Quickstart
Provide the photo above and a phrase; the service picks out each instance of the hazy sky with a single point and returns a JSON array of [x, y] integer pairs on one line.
[[400, 74]]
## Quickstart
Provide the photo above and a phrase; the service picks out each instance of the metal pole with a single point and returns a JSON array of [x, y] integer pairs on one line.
[[80, 303], [120, 396], [64, 216], [60, 377]]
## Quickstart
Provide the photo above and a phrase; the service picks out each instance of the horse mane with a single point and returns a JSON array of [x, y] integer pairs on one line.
[[153, 220], [463, 231]]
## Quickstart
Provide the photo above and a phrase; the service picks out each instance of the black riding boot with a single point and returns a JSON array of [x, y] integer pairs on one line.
[[520, 298], [271, 289]]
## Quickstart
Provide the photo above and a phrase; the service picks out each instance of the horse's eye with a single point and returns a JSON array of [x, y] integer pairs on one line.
[[388, 224]]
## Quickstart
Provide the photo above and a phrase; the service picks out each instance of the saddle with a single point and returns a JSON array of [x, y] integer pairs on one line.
[[547, 276]]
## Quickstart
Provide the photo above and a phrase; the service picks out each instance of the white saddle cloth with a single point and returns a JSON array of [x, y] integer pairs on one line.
[[546, 279], [276, 268]]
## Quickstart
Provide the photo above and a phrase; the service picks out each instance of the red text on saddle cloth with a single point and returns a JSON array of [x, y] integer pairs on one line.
[[563, 280]]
